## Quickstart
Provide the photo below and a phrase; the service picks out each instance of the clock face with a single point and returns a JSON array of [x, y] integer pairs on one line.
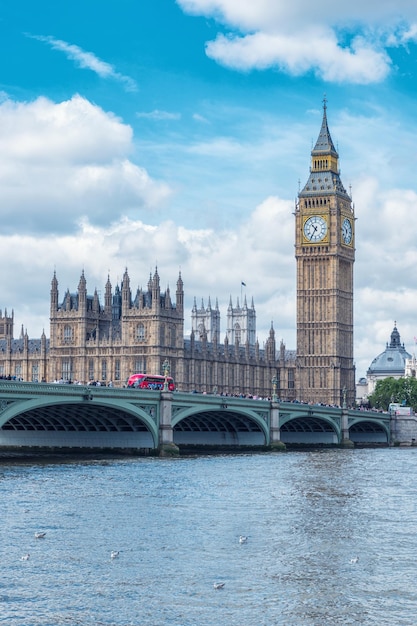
[[315, 228], [347, 231]]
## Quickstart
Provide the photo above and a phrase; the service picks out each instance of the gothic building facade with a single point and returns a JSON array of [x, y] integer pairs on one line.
[[136, 332]]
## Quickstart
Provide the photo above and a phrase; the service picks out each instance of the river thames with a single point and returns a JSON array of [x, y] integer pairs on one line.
[[332, 539]]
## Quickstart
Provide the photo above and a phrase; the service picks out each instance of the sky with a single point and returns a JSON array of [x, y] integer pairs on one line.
[[177, 133]]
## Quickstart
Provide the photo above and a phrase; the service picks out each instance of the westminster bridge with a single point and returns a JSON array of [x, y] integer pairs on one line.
[[53, 416]]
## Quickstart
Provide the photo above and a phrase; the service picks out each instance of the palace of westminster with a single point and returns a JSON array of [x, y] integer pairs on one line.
[[137, 331]]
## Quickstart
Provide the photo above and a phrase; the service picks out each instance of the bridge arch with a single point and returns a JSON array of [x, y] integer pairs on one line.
[[69, 422], [220, 427], [310, 428], [365, 431]]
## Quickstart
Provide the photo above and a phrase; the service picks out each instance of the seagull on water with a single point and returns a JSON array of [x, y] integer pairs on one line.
[[243, 539], [114, 554], [219, 585], [40, 535], [354, 559], [25, 557]]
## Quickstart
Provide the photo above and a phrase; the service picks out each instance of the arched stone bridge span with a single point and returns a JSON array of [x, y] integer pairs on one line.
[[50, 416]]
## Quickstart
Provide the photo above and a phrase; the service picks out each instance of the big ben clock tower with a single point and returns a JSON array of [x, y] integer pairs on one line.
[[325, 254]]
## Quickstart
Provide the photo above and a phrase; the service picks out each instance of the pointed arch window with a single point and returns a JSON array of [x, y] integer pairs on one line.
[[140, 332], [173, 336], [68, 334], [35, 372]]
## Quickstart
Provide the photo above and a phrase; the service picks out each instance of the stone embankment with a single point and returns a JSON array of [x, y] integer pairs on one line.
[[404, 430]]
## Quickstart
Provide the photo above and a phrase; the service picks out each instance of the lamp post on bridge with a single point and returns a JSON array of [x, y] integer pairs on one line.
[[166, 370], [167, 447], [346, 442], [344, 393], [274, 382], [274, 429]]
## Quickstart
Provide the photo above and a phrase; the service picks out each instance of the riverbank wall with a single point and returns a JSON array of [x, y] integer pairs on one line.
[[404, 430]]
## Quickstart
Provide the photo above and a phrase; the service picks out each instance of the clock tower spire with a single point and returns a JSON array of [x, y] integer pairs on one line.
[[325, 254]]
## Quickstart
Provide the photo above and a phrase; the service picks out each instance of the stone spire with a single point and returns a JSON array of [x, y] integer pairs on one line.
[[108, 296], [324, 144], [180, 295], [324, 176], [82, 294], [54, 294]]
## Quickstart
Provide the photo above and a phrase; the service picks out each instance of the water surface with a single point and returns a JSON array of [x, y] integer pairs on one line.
[[176, 525]]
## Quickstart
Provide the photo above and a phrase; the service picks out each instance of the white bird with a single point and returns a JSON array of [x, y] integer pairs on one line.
[[40, 535], [114, 554], [219, 585], [243, 539], [355, 559], [25, 557]]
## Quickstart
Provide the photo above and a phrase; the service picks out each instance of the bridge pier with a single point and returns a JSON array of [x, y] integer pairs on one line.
[[346, 442], [274, 430], [167, 446]]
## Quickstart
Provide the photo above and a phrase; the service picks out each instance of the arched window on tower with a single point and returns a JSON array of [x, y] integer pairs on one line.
[[238, 333], [68, 334], [140, 332], [173, 335]]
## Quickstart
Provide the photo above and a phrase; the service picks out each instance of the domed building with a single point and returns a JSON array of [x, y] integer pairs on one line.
[[391, 362]]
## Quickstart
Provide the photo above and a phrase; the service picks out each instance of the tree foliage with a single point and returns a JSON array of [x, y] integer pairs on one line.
[[401, 390]]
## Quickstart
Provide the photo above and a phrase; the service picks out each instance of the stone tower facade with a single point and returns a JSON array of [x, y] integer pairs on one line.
[[241, 323], [206, 321], [325, 254], [6, 325], [130, 333]]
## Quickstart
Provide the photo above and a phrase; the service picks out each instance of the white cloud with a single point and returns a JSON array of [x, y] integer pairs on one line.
[[200, 118], [315, 51], [159, 115], [273, 14], [347, 44], [60, 162], [87, 60]]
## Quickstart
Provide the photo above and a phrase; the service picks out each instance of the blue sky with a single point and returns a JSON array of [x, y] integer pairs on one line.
[[176, 134]]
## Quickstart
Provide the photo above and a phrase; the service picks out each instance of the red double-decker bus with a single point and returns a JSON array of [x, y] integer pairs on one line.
[[147, 381]]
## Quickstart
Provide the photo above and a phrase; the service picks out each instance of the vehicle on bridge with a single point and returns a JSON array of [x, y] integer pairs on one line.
[[147, 381]]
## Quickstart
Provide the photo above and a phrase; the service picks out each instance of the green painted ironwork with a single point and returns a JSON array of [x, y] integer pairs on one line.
[[152, 419]]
